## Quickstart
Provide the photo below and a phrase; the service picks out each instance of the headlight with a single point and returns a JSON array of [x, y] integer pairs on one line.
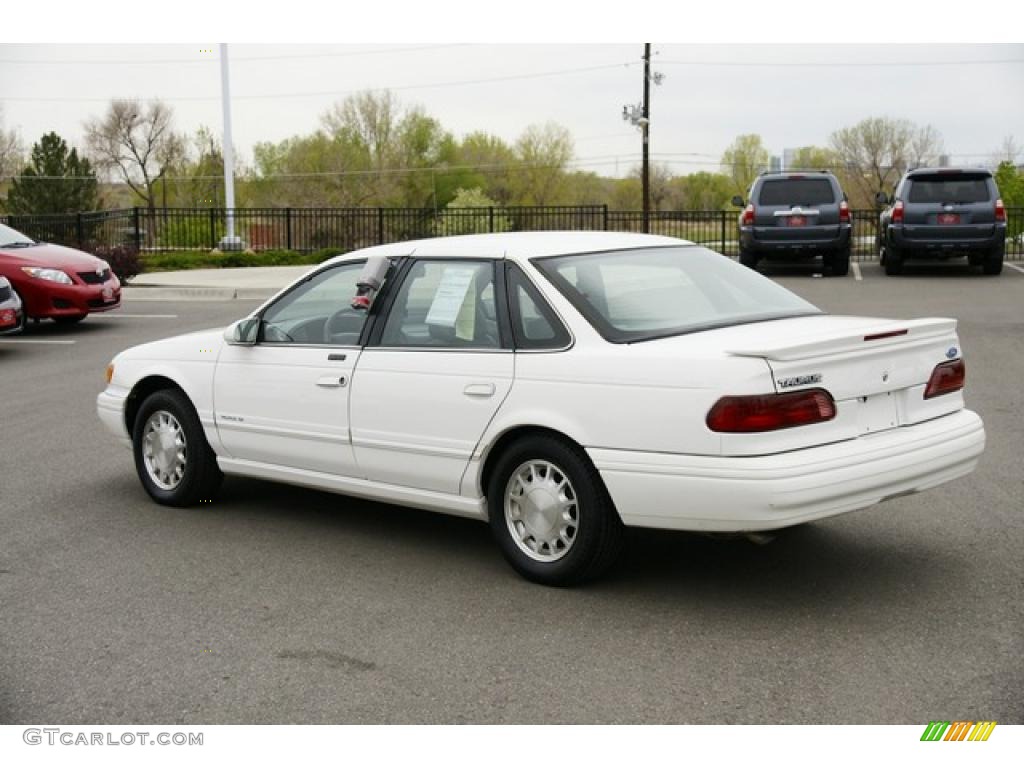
[[53, 275]]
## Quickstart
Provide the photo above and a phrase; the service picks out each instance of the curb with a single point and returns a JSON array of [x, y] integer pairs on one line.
[[194, 293]]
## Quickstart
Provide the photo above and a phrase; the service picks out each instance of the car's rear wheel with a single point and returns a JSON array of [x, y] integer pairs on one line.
[[69, 319], [174, 461], [24, 313], [893, 259], [837, 263], [993, 263], [551, 514], [748, 258]]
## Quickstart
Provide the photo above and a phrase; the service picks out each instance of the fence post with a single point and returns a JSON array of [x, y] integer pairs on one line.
[[79, 230], [137, 231], [288, 226], [213, 229], [605, 219], [490, 218], [380, 226], [721, 215]]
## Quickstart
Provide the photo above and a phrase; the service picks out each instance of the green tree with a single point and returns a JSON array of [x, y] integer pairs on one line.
[[814, 159], [700, 191], [542, 153], [743, 160], [471, 212], [485, 162], [56, 181]]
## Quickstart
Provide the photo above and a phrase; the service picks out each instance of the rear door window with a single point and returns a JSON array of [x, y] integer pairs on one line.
[[961, 188], [797, 192]]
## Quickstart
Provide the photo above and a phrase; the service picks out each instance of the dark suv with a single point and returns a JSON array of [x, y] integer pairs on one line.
[[943, 212], [796, 214]]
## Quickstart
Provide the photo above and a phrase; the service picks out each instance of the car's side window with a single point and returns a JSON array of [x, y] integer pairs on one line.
[[443, 304], [534, 324], [318, 311]]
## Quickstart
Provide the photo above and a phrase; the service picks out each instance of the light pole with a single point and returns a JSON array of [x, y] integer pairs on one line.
[[640, 116], [229, 242]]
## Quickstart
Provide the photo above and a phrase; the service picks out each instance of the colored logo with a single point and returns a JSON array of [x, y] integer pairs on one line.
[[959, 730]]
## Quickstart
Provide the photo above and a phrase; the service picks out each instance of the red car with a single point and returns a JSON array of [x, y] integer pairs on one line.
[[54, 281]]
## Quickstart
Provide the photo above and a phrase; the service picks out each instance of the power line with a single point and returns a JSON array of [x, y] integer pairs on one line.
[[816, 64], [213, 60], [293, 95]]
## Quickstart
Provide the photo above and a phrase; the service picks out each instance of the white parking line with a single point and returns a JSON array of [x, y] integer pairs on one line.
[[856, 271], [124, 314], [36, 341], [1014, 266]]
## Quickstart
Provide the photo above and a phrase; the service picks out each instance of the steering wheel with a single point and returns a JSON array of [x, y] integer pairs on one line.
[[347, 323]]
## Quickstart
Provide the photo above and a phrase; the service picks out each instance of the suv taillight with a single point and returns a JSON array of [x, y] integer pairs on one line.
[[844, 212], [946, 378], [764, 413], [897, 212], [748, 215], [1000, 210]]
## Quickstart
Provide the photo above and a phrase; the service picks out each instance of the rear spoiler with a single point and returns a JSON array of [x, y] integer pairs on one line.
[[861, 338]]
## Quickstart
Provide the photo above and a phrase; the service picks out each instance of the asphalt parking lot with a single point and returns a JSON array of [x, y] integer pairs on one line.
[[278, 604]]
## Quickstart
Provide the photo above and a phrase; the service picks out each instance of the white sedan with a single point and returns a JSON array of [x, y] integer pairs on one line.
[[559, 385]]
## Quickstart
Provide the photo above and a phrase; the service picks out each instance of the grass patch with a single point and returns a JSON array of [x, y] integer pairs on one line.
[[181, 260]]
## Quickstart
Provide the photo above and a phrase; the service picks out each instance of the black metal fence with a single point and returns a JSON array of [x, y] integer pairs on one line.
[[346, 229]]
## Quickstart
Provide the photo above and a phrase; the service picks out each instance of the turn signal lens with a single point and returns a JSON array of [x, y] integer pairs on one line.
[[946, 378], [110, 372], [897, 212], [748, 215], [764, 413]]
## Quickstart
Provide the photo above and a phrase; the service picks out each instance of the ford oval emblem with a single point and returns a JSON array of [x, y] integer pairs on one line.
[[951, 352]]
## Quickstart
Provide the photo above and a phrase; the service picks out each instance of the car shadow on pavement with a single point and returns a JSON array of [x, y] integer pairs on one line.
[[50, 329]]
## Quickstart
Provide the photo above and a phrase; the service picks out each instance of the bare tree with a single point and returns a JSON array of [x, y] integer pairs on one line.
[[878, 150], [12, 151], [543, 152], [1007, 152], [136, 143]]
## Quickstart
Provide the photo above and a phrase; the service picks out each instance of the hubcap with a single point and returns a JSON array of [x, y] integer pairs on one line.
[[541, 511], [164, 450]]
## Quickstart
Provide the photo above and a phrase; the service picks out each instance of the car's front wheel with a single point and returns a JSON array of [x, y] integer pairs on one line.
[[837, 263], [176, 465], [551, 514]]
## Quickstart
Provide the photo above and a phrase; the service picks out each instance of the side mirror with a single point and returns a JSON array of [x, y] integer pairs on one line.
[[737, 201], [882, 199], [243, 333]]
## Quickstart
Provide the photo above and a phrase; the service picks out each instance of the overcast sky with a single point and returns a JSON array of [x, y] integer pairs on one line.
[[792, 95]]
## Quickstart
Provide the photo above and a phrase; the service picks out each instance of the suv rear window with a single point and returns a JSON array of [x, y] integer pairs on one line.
[[797, 192], [961, 188]]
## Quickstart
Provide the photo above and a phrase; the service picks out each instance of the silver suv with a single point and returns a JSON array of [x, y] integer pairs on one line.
[[796, 214], [943, 212]]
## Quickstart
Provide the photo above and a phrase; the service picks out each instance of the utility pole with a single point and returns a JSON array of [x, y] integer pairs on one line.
[[640, 116], [229, 242]]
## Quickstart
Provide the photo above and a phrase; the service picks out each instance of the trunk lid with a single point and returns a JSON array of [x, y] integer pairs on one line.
[[875, 369]]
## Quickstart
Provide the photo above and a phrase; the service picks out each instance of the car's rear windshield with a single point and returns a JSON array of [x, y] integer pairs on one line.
[[797, 192], [648, 293], [959, 188]]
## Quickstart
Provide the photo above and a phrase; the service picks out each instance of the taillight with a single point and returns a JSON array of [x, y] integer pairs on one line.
[[1000, 211], [748, 215], [844, 212], [897, 212], [946, 378], [764, 413]]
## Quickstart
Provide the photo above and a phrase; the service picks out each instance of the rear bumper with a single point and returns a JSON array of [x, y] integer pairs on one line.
[[728, 494], [901, 237], [749, 241]]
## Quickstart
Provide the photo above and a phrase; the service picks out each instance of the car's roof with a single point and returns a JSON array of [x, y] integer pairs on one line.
[[951, 170], [516, 245]]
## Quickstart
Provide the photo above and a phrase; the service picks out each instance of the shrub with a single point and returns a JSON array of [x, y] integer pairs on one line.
[[124, 260]]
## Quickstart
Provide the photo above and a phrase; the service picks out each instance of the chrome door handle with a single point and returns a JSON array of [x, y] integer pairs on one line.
[[479, 390], [331, 381]]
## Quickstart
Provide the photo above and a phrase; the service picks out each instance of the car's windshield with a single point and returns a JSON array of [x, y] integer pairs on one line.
[[796, 192], [961, 188], [648, 293], [10, 236]]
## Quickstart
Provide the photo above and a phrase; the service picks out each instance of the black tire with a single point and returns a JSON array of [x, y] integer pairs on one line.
[[993, 263], [837, 263], [598, 532], [24, 313], [201, 477], [69, 319], [976, 259], [893, 261], [748, 259]]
